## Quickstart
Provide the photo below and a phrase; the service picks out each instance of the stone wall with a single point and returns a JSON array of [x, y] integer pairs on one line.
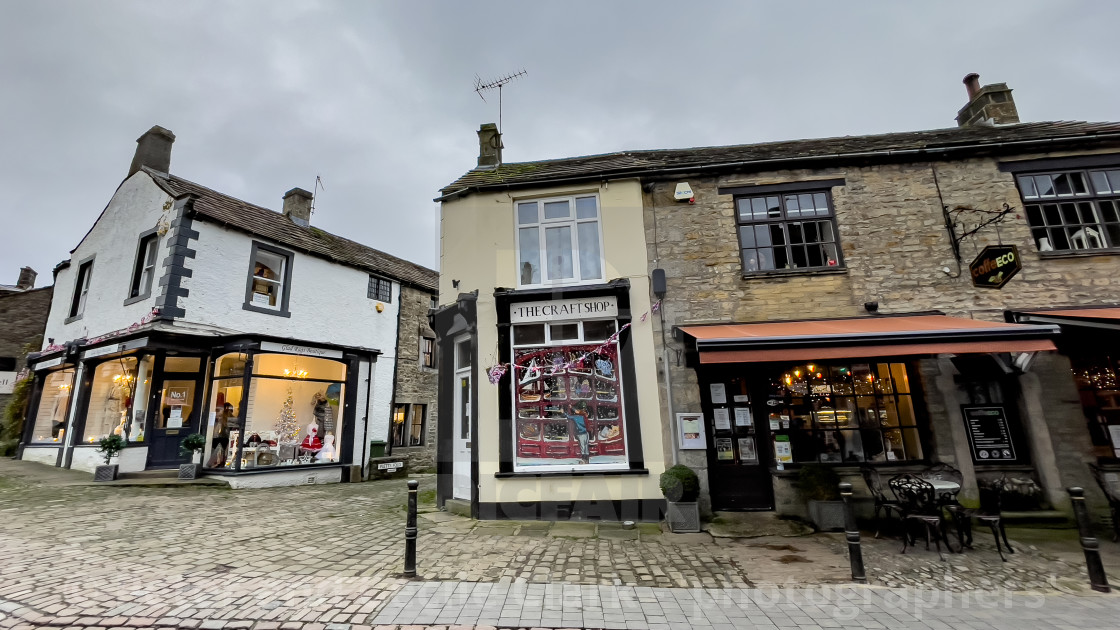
[[23, 316], [416, 384], [895, 249]]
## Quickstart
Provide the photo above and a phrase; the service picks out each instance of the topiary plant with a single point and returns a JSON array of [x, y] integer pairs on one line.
[[818, 483], [110, 446], [193, 443], [680, 484]]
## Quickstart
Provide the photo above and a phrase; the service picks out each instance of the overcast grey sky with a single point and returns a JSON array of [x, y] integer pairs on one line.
[[377, 97]]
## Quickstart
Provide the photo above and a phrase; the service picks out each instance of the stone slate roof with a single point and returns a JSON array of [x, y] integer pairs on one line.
[[922, 145], [274, 226]]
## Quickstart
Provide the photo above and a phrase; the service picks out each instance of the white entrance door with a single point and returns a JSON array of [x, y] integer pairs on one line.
[[461, 470]]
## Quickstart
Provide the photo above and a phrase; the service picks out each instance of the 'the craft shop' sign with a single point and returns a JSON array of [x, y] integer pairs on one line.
[[556, 310], [995, 265]]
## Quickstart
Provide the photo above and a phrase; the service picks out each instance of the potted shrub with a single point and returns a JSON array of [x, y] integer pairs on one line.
[[192, 446], [681, 486], [109, 447], [820, 487]]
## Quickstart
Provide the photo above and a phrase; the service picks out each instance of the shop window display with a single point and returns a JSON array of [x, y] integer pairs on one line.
[[292, 413], [115, 386], [50, 419], [843, 414], [567, 400], [1099, 388]]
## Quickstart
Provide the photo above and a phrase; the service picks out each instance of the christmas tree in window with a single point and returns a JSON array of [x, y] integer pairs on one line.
[[287, 429]]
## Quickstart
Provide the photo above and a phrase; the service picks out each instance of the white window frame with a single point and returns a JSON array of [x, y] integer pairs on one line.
[[144, 268], [81, 290], [571, 221]]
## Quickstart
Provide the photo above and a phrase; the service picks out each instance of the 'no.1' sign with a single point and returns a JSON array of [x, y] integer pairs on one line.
[[995, 265]]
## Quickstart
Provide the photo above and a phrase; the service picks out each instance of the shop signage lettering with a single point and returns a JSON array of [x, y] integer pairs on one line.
[[554, 310], [307, 351], [102, 351], [995, 265], [989, 435]]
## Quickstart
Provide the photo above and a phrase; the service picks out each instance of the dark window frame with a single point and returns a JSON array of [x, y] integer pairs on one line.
[[285, 285], [83, 277], [428, 352], [1051, 216], [403, 438], [785, 221], [136, 293], [380, 289]]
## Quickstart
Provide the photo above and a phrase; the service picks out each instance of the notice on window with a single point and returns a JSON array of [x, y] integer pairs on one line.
[[748, 452], [775, 422], [743, 417], [783, 452], [719, 394], [722, 419], [692, 431], [261, 298], [724, 449], [741, 398], [989, 435]]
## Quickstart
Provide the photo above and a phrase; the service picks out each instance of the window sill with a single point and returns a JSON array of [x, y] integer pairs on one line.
[[267, 311], [789, 273], [73, 318], [138, 298], [1079, 253], [572, 473]]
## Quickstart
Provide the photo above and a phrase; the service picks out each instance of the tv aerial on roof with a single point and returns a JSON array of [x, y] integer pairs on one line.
[[481, 86]]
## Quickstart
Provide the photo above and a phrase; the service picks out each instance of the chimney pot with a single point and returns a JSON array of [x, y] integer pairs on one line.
[[489, 145], [27, 277], [972, 84], [153, 149], [297, 206]]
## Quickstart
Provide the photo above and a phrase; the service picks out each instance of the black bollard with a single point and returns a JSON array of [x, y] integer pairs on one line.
[[1097, 578], [410, 531], [855, 552]]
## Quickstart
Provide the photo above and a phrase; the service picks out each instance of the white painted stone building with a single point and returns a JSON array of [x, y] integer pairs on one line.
[[184, 311]]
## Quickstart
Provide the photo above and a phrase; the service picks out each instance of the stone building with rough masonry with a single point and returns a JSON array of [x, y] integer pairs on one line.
[[23, 316], [186, 311], [412, 434], [871, 305]]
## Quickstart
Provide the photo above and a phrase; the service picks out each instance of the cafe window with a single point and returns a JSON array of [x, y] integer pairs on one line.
[[1073, 210], [794, 231], [408, 425], [54, 405], [270, 277], [116, 399], [843, 413], [292, 412], [567, 397], [1099, 386]]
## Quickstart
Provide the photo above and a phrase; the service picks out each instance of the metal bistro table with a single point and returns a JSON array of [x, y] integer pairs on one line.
[[946, 492]]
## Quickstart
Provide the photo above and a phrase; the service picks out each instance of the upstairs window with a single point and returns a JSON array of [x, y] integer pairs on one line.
[[1073, 210], [787, 232], [144, 269], [380, 289], [558, 241], [427, 352], [270, 280], [81, 289]]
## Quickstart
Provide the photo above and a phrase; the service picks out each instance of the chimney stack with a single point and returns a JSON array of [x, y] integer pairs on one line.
[[987, 105], [26, 280], [153, 149], [489, 145], [297, 206]]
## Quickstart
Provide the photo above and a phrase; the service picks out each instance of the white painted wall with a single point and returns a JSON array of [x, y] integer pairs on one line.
[[278, 478], [43, 454], [136, 207], [131, 459]]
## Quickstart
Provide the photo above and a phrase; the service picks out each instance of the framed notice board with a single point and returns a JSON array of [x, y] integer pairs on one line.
[[989, 435]]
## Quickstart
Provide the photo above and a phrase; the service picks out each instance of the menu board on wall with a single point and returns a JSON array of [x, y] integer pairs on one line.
[[989, 435], [692, 430]]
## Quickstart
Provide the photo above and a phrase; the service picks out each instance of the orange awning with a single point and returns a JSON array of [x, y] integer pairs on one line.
[[862, 337]]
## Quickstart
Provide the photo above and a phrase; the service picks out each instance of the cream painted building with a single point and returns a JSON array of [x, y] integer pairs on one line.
[[547, 359]]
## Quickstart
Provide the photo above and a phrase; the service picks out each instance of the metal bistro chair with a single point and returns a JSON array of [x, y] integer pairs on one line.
[[1111, 490], [989, 513], [874, 483], [919, 504], [948, 500]]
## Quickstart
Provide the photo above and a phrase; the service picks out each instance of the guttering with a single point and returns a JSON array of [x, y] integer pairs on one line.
[[701, 168], [878, 338]]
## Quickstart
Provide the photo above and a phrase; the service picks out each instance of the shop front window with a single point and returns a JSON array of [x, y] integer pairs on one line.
[[843, 413], [1099, 386], [292, 410], [54, 404], [567, 396], [114, 389]]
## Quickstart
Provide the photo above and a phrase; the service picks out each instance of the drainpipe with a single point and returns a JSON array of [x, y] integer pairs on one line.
[[668, 387]]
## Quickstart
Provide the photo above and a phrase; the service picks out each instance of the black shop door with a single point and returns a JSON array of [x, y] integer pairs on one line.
[[739, 455], [176, 415]]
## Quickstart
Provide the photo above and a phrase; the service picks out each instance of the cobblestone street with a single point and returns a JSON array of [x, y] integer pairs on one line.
[[72, 553]]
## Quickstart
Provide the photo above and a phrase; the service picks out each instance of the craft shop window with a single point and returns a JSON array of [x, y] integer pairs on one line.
[[567, 393], [841, 413], [788, 232], [1073, 210], [558, 241], [54, 405], [293, 413], [408, 425], [116, 384]]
